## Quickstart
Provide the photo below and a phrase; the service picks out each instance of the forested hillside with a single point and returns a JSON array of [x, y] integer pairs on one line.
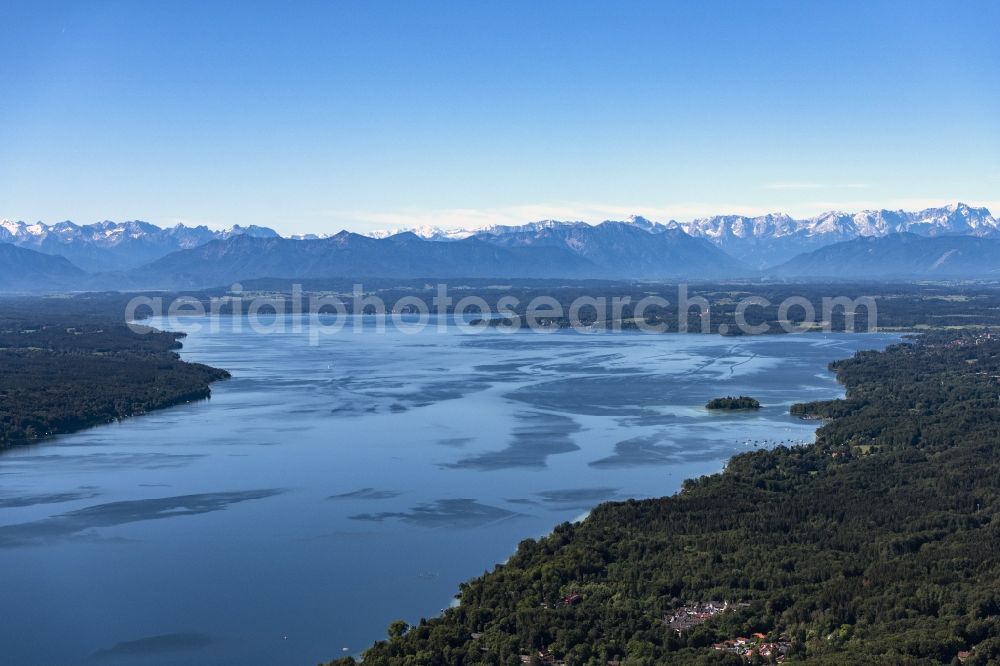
[[878, 544], [61, 371]]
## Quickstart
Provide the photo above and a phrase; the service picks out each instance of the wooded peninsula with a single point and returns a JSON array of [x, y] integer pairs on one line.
[[62, 370]]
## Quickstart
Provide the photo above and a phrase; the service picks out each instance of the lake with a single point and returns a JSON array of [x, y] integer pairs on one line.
[[328, 489]]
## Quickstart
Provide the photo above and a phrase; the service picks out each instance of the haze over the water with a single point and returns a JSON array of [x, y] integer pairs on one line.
[[310, 118]]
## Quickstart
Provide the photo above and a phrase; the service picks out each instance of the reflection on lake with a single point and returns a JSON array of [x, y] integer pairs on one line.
[[326, 490]]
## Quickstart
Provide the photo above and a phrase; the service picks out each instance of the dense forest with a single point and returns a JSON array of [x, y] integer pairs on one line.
[[66, 365], [876, 544], [730, 402]]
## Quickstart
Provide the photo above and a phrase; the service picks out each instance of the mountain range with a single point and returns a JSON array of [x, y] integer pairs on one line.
[[948, 242], [767, 240], [898, 255], [113, 246], [609, 250], [346, 254]]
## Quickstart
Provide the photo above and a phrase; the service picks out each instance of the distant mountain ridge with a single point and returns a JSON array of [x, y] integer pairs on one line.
[[956, 241], [23, 270], [767, 240], [111, 246], [625, 249], [775, 238], [346, 254], [898, 255], [406, 255]]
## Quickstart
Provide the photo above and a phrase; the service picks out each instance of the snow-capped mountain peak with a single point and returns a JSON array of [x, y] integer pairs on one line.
[[109, 245], [425, 231], [645, 223], [767, 239], [442, 234]]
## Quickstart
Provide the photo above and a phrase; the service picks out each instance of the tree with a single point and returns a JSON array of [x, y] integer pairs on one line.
[[398, 629]]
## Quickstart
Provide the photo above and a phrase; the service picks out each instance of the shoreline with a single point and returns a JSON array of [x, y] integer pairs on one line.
[[117, 376], [823, 349], [687, 486]]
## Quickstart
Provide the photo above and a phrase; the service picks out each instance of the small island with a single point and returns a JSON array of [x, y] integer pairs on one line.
[[729, 402]]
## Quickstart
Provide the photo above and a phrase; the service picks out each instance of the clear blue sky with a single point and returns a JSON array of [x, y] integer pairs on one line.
[[311, 117]]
